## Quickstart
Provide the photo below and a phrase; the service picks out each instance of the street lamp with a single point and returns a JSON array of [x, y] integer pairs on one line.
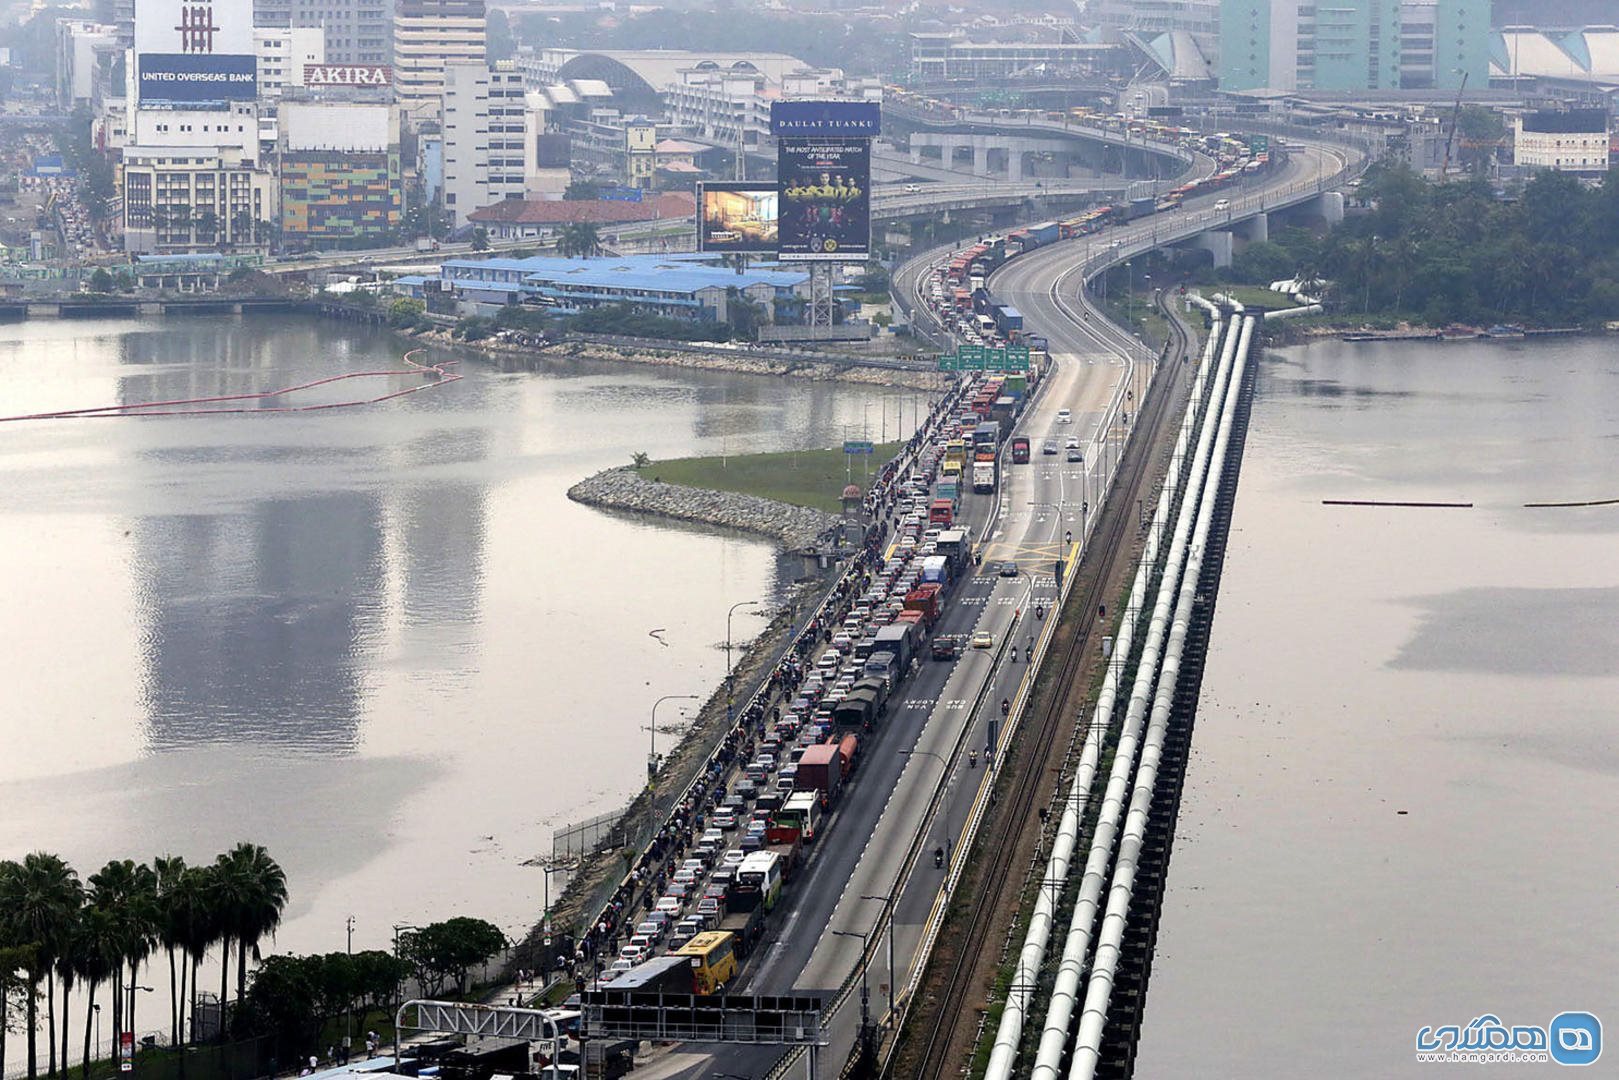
[[888, 900], [730, 680], [945, 766], [865, 995], [652, 731]]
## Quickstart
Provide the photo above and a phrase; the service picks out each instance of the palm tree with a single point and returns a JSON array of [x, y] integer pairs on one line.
[[257, 891], [203, 925], [127, 890], [170, 871], [97, 954], [39, 899], [579, 239], [186, 928]]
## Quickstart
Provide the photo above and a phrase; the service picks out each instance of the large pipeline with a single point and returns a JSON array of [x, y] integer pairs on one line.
[[1032, 956], [1099, 991], [1065, 991]]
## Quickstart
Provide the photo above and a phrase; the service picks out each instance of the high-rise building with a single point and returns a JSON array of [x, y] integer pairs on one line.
[[77, 46], [430, 35], [193, 175], [283, 54], [1352, 44], [340, 170], [357, 31], [483, 112]]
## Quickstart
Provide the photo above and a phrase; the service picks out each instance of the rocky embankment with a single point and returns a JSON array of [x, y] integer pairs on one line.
[[795, 527]]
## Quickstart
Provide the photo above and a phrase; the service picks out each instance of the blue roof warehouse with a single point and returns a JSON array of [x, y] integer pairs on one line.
[[680, 286]]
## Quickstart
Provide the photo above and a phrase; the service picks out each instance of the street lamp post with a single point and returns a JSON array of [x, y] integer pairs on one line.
[[652, 731], [730, 678], [348, 1036], [129, 1065], [865, 995], [889, 900], [945, 766]]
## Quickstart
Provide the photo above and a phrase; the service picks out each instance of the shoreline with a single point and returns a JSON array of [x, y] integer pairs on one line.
[[621, 488], [692, 356]]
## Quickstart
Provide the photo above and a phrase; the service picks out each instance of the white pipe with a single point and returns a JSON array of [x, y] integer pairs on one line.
[[1065, 992], [1010, 1032], [1099, 991]]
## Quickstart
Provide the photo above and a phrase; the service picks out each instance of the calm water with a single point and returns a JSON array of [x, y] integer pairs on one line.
[[381, 642], [1400, 805]]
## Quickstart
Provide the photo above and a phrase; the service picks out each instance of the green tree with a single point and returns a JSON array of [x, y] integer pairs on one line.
[[1479, 131], [257, 891], [97, 954], [480, 239], [101, 281], [640, 459], [171, 873], [15, 962], [128, 891], [582, 191], [405, 311], [579, 240], [40, 899]]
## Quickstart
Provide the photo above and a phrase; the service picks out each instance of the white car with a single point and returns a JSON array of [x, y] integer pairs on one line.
[[1065, 416]]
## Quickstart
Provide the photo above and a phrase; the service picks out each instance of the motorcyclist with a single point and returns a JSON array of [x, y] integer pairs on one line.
[[938, 858], [972, 759], [1014, 654]]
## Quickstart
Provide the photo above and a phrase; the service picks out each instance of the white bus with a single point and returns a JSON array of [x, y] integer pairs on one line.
[[759, 877]]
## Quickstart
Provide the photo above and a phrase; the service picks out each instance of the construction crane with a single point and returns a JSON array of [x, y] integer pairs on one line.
[[1455, 119]]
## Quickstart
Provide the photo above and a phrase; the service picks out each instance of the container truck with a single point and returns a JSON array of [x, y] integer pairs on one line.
[[745, 928], [947, 489], [898, 640], [821, 769], [941, 512], [849, 753], [1008, 319], [882, 666], [925, 598], [936, 568], [983, 477]]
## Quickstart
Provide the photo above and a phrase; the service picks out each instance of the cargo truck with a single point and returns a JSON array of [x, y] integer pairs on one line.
[[821, 769], [983, 477], [745, 928], [899, 640], [941, 512], [849, 754], [925, 599], [936, 568]]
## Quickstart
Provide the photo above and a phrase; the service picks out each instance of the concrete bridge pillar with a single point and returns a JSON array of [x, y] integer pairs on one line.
[[1219, 242], [916, 152], [980, 157], [1331, 205], [1256, 229], [1014, 162]]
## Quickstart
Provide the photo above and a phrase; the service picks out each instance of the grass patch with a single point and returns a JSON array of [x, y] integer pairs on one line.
[[1253, 294], [813, 478]]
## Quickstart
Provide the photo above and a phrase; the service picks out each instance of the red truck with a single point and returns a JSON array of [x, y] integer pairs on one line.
[[848, 751], [925, 599], [941, 512], [821, 769]]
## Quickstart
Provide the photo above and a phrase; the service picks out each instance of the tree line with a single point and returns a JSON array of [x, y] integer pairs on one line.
[[1460, 252], [58, 932]]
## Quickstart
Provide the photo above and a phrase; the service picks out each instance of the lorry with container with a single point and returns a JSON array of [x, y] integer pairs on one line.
[[821, 770], [745, 927], [899, 640], [882, 666], [936, 568], [926, 598], [670, 973], [983, 477], [1008, 319]]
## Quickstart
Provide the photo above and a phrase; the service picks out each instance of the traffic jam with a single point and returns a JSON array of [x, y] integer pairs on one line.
[[740, 840]]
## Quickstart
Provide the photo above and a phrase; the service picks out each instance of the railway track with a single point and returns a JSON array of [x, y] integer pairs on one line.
[[950, 1018]]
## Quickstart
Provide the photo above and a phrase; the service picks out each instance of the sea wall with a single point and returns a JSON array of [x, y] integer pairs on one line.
[[795, 527]]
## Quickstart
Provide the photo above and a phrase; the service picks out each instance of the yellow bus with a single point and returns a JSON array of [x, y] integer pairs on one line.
[[713, 959], [956, 450], [951, 467]]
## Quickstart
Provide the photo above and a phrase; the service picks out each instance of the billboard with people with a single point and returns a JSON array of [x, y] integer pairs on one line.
[[737, 217], [825, 199]]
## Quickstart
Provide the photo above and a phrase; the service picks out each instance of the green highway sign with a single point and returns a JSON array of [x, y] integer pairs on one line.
[[949, 362], [1259, 144], [858, 446]]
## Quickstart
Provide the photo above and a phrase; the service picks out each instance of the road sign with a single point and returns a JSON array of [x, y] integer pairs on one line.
[[949, 362], [858, 446], [1259, 144]]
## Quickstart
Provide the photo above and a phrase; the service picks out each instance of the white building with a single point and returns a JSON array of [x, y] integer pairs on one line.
[[77, 43], [484, 119], [1575, 141], [283, 53], [194, 200], [354, 31], [430, 35], [194, 177]]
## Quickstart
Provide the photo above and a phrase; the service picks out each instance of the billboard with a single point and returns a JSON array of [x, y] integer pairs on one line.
[[348, 75], [737, 217], [862, 119], [195, 51], [825, 198]]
